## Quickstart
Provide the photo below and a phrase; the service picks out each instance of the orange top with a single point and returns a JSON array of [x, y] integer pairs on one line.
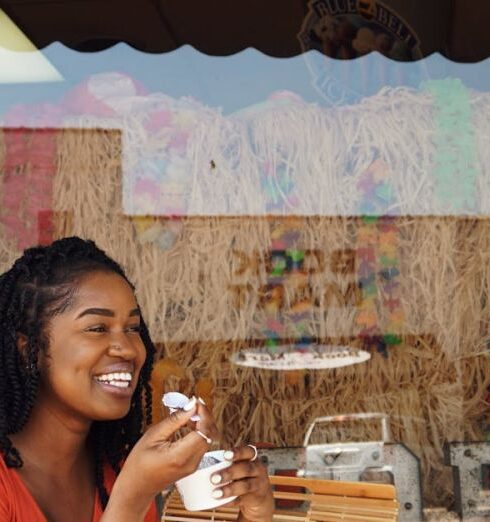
[[18, 505]]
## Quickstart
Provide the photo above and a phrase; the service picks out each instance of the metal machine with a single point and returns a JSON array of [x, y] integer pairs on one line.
[[378, 461], [471, 471]]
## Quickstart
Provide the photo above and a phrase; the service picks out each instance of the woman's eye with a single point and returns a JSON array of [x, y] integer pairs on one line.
[[135, 328], [100, 328]]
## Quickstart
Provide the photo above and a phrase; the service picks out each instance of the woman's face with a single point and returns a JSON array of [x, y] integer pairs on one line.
[[95, 351]]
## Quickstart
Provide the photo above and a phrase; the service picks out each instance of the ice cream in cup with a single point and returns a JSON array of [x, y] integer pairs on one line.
[[196, 490]]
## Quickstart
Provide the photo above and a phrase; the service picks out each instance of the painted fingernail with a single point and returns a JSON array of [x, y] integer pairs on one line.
[[217, 493], [228, 455], [216, 479], [190, 404], [201, 401]]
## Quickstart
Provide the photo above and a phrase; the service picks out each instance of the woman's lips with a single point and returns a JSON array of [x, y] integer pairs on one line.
[[117, 379]]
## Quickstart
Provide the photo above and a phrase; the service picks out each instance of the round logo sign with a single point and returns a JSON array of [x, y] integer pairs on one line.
[[347, 29]]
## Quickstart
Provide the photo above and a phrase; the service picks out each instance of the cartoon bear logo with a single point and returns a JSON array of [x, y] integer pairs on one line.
[[367, 8]]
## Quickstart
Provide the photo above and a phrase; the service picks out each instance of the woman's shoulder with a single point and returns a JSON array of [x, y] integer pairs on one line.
[[7, 482], [5, 492], [16, 503]]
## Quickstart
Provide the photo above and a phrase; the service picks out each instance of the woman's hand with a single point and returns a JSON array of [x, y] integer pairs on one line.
[[249, 482], [156, 461]]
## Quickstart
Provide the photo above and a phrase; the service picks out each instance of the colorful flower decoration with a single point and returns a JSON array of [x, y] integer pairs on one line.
[[376, 190], [278, 187], [277, 178], [378, 265], [456, 153], [161, 232], [286, 266]]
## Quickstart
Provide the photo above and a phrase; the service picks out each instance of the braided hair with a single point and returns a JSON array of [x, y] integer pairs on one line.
[[40, 285]]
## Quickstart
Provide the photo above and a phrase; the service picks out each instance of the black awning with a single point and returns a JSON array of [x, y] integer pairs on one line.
[[401, 29]]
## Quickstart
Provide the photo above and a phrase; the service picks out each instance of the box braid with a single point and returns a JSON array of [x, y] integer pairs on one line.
[[41, 284]]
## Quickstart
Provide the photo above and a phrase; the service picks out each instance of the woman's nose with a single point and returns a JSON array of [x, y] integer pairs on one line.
[[121, 346]]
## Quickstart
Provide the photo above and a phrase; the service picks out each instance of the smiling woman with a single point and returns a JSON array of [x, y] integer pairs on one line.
[[96, 352], [75, 364], [70, 320]]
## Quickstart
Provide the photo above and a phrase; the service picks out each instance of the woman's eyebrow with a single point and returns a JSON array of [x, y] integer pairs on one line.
[[97, 311], [106, 312]]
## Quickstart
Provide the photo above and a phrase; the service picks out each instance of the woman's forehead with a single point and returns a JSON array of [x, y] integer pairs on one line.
[[104, 289]]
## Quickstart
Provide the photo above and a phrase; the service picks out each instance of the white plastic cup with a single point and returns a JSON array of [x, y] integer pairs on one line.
[[196, 490]]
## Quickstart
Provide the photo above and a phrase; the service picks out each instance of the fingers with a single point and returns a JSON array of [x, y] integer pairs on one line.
[[167, 427], [206, 424], [241, 453], [240, 488], [204, 430], [192, 445], [244, 476], [189, 449], [249, 483], [238, 471]]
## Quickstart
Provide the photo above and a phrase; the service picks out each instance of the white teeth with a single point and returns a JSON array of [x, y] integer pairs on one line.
[[119, 384], [120, 379]]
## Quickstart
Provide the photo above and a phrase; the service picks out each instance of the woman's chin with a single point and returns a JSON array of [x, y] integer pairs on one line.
[[110, 414]]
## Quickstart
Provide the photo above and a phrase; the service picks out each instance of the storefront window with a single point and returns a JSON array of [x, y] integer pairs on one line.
[[309, 237]]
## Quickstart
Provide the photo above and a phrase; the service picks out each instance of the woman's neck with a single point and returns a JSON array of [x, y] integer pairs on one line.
[[53, 442]]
